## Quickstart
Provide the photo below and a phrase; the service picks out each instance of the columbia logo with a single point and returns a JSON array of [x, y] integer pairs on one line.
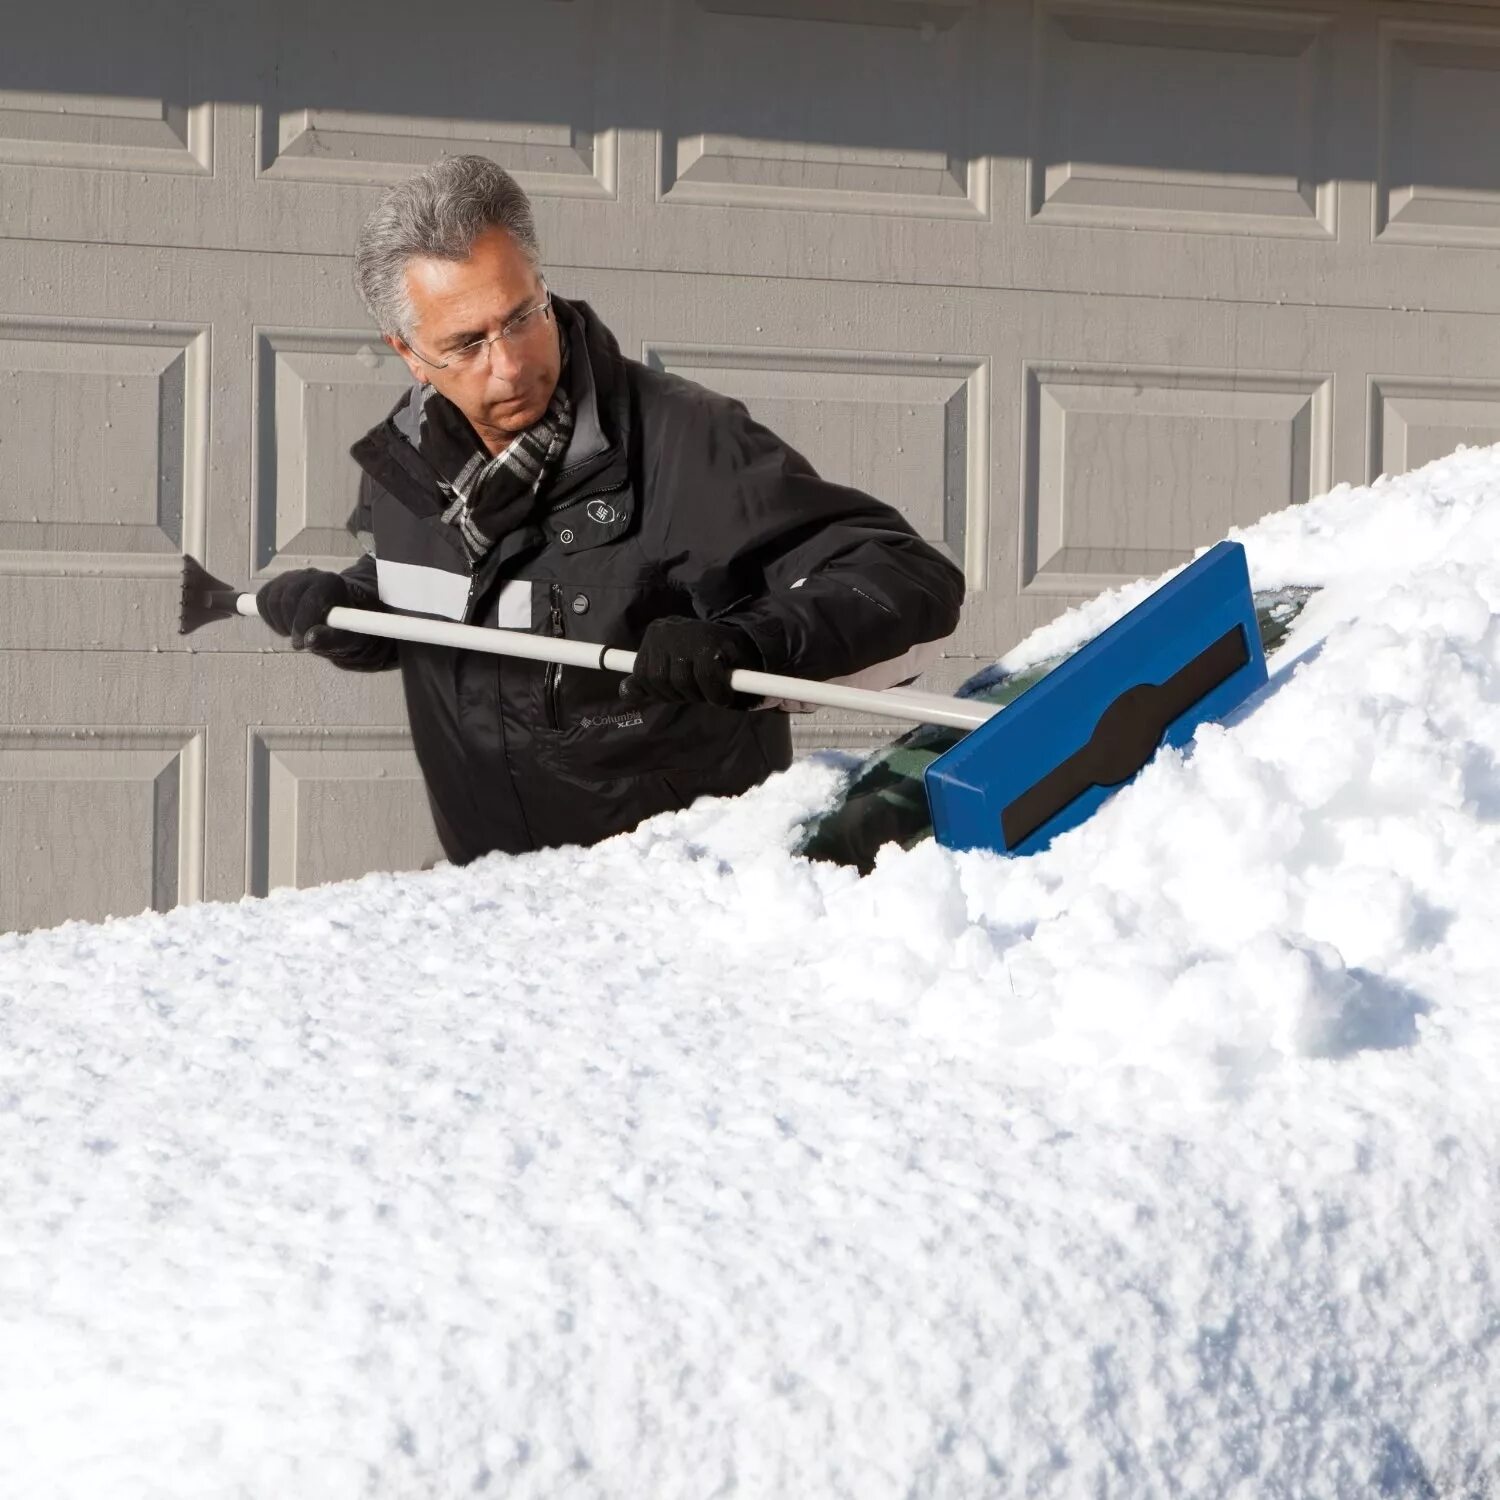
[[611, 721]]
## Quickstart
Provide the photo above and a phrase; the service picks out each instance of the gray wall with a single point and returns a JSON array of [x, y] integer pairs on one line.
[[1077, 285]]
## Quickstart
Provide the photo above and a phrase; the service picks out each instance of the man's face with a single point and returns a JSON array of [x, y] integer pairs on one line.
[[505, 388]]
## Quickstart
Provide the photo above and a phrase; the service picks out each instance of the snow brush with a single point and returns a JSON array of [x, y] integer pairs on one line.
[[1023, 773]]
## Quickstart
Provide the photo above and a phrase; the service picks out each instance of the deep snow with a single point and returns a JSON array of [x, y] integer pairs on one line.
[[1162, 1163]]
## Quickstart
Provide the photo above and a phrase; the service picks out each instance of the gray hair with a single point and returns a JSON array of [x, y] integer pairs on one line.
[[439, 213]]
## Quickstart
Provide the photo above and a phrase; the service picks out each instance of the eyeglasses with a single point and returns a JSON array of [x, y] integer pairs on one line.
[[476, 355]]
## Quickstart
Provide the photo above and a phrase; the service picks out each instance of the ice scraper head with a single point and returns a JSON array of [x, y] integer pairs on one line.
[[204, 597], [1189, 653]]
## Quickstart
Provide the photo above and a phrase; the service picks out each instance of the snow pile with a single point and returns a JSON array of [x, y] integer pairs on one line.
[[1165, 1162]]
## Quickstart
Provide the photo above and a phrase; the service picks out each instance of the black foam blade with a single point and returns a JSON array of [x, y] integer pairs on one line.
[[1126, 736]]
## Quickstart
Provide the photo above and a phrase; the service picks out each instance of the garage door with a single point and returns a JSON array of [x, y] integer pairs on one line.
[[1076, 284]]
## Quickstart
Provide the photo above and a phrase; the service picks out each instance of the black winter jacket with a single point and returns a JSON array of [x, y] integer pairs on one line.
[[671, 500]]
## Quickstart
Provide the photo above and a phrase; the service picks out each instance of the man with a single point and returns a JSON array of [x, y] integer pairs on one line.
[[534, 478]]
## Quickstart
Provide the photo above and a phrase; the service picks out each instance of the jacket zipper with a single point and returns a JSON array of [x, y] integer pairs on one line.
[[553, 674]]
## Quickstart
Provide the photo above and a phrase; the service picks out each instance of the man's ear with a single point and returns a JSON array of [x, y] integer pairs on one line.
[[415, 365]]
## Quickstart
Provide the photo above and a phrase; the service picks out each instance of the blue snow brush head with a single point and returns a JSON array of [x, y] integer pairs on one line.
[[1189, 653]]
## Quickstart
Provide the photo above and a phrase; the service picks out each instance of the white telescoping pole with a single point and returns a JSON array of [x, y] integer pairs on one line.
[[891, 703]]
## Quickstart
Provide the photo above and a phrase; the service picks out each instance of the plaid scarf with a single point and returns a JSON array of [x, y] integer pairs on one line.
[[493, 494]]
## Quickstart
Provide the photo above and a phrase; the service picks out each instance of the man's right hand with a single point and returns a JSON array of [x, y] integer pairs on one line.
[[297, 604]]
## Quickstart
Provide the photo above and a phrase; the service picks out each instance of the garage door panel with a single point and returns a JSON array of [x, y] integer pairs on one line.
[[1414, 421], [120, 132], [391, 109], [878, 107], [103, 431], [331, 805], [120, 93], [353, 146], [99, 822], [1151, 115], [1130, 470], [1439, 116], [316, 392]]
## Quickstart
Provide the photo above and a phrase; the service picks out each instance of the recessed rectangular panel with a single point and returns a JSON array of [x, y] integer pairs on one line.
[[119, 132], [333, 806], [1439, 120], [1128, 472], [337, 145], [897, 428], [1176, 116], [771, 106], [98, 823], [527, 85], [102, 431], [1415, 421], [316, 393]]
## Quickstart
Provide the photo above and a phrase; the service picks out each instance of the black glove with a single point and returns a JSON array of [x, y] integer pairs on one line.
[[682, 660], [297, 604]]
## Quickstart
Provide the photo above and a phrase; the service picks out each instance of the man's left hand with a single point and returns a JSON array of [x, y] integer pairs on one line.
[[682, 660]]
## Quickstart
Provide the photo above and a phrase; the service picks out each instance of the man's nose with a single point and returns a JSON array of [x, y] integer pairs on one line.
[[503, 358]]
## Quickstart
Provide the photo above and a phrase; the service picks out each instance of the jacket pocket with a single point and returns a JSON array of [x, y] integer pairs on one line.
[[581, 725]]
